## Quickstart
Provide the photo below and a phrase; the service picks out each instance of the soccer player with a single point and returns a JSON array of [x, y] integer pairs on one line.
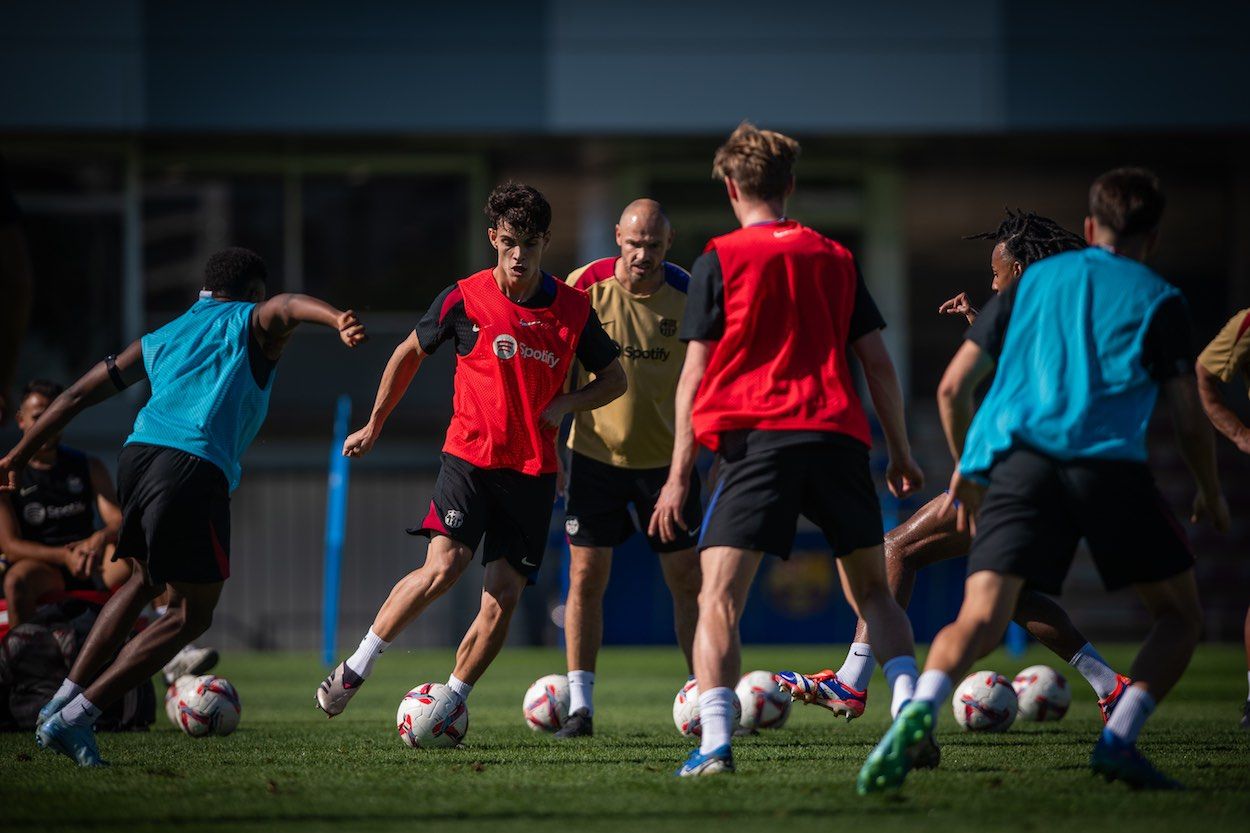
[[1084, 342], [929, 537], [1226, 357], [774, 310], [621, 452], [211, 371], [47, 525], [516, 331]]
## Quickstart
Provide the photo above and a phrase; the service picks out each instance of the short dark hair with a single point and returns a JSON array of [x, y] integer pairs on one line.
[[1029, 237], [520, 206], [1127, 201], [760, 162], [233, 271], [46, 388]]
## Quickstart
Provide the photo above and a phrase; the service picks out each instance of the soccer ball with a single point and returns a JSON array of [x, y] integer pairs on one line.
[[1042, 692], [431, 716], [207, 705], [763, 705], [546, 704], [686, 710], [173, 697], [985, 702]]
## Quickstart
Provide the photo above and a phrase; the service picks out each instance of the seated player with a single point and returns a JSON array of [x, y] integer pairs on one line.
[[621, 452], [48, 528], [216, 364], [1057, 452], [929, 537], [1228, 357], [516, 331]]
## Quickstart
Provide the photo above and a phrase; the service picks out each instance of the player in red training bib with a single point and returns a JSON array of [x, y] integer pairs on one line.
[[516, 331]]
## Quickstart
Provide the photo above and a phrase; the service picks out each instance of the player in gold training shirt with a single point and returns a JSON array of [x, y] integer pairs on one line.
[[1226, 358], [621, 452]]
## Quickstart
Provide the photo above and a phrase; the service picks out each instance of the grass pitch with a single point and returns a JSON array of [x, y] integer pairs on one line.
[[288, 768]]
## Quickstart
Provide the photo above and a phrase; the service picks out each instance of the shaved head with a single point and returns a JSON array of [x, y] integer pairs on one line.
[[644, 235], [645, 214]]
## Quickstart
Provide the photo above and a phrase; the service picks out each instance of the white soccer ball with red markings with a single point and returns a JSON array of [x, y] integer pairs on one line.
[[985, 702], [763, 705], [546, 704], [206, 705], [686, 710], [174, 695], [431, 716], [1042, 693]]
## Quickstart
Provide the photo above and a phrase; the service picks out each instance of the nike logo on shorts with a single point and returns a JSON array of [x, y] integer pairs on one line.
[[528, 563], [27, 490]]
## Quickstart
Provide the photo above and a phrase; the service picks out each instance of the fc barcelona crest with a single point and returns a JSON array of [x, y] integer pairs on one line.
[[668, 327]]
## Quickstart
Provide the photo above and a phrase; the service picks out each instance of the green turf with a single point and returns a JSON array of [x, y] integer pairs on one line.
[[288, 768]]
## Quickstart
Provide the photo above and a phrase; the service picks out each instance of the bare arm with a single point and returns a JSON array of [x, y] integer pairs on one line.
[[903, 476], [1221, 416], [667, 515], [1197, 445], [400, 369], [609, 383], [965, 372], [274, 320], [94, 387], [16, 548], [15, 288]]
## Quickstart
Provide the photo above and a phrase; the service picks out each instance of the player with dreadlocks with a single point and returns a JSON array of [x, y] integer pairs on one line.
[[1022, 239]]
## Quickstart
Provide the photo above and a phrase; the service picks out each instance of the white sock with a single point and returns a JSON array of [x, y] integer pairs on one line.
[[1095, 670], [716, 714], [459, 687], [68, 691], [371, 647], [80, 712], [934, 687], [901, 673], [1130, 714], [858, 666], [581, 690]]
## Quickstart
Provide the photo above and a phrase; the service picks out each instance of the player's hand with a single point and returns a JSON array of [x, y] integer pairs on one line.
[[92, 548], [903, 477], [959, 305], [667, 516], [1213, 509], [77, 562], [351, 331], [361, 443], [554, 413], [9, 470], [964, 498]]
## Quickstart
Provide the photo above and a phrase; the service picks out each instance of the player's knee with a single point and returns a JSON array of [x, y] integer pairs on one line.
[[587, 579], [443, 576], [718, 607]]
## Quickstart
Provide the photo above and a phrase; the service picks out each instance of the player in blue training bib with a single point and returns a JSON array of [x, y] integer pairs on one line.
[[211, 372]]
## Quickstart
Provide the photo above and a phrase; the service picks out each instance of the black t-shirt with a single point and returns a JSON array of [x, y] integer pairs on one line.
[[1166, 353], [56, 506], [704, 319], [446, 320]]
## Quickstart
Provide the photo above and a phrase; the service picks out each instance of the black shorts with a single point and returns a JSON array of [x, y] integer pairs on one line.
[[599, 496], [512, 510], [1038, 508], [175, 514], [764, 485]]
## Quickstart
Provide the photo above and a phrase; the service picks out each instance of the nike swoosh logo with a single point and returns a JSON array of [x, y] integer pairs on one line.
[[858, 654], [528, 563], [27, 490], [694, 531], [784, 233]]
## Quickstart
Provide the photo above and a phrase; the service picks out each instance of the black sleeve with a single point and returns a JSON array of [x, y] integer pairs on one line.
[[704, 318], [438, 324], [990, 328], [1168, 351], [865, 317], [9, 212], [596, 349]]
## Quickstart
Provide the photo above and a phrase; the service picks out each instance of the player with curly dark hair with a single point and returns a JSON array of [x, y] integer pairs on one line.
[[516, 331], [1023, 238]]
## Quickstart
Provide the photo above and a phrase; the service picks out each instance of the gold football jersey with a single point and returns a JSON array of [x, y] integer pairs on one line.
[[636, 430]]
